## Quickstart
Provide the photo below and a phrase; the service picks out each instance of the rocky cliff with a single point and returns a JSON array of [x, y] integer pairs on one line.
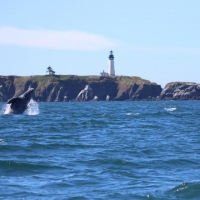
[[80, 88], [181, 91]]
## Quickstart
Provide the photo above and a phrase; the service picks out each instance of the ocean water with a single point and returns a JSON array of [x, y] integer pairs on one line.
[[101, 150]]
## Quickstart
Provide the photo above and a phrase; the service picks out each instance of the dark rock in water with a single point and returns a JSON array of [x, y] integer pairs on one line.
[[86, 94], [95, 98], [66, 98], [181, 91]]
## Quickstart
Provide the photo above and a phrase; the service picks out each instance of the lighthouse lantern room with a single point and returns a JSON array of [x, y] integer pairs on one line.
[[111, 68]]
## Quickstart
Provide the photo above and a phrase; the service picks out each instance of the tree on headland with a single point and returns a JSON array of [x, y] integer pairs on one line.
[[50, 71]]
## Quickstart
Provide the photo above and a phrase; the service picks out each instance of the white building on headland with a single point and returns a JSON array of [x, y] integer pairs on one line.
[[104, 73], [111, 68]]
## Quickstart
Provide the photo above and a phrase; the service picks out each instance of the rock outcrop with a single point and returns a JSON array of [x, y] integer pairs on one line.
[[86, 94], [181, 91]]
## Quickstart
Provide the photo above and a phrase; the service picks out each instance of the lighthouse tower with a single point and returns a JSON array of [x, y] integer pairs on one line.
[[111, 68]]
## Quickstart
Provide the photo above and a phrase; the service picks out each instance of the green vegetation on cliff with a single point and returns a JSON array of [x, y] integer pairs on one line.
[[57, 78]]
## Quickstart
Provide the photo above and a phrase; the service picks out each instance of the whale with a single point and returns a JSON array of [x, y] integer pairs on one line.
[[17, 105]]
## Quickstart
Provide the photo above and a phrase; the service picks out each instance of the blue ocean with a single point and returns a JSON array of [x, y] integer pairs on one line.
[[101, 150]]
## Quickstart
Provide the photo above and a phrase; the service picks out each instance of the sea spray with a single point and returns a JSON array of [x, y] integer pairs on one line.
[[170, 109], [5, 109], [33, 108]]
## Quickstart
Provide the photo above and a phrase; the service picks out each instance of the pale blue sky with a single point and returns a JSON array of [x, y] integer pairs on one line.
[[157, 40]]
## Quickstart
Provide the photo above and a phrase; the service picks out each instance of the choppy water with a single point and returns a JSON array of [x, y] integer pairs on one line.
[[101, 150]]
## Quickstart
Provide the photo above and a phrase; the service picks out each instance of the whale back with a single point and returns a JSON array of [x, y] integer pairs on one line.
[[13, 100]]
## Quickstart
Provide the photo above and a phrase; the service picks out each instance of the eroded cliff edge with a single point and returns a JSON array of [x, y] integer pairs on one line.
[[80, 88]]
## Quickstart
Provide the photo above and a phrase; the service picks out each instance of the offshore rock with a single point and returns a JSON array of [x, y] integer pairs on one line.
[[181, 91], [95, 98], [107, 98], [86, 94], [66, 98]]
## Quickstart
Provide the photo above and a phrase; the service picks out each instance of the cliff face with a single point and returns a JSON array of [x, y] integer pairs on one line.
[[7, 88], [181, 91], [73, 88]]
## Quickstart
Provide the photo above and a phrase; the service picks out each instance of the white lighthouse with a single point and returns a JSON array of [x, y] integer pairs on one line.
[[111, 68]]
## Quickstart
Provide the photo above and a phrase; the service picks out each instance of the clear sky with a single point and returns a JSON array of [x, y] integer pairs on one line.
[[158, 40]]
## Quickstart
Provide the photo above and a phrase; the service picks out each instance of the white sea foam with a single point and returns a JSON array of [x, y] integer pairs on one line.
[[5, 109], [33, 108], [128, 114], [170, 109], [136, 113]]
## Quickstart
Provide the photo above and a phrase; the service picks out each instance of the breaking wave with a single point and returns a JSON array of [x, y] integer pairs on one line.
[[186, 191], [170, 109]]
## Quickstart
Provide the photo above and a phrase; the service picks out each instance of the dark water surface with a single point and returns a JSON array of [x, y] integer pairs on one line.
[[101, 150]]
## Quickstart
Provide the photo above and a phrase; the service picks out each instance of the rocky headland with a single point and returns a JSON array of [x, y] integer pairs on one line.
[[80, 88], [61, 88]]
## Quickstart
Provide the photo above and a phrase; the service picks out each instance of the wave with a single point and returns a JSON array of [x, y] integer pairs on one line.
[[186, 191], [13, 166], [170, 109], [128, 114]]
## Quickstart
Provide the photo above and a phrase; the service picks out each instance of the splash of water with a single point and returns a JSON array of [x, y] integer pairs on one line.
[[5, 109], [33, 108]]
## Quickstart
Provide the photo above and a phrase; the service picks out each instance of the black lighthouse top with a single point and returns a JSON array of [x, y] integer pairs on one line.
[[111, 57]]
